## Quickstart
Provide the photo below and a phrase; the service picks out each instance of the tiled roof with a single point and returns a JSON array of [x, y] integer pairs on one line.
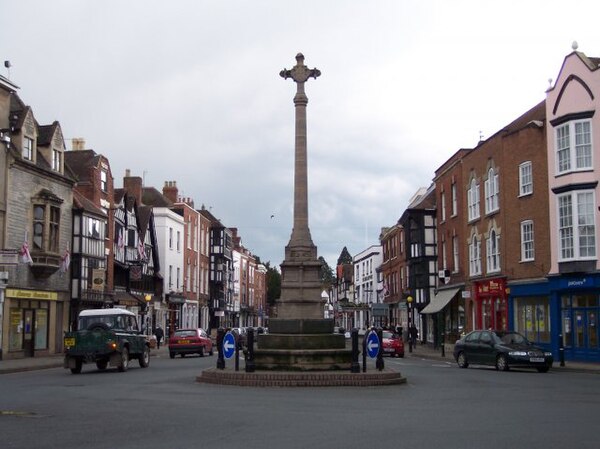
[[152, 197], [81, 202], [80, 161]]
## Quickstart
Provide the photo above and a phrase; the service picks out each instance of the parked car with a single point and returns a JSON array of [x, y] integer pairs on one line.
[[190, 341], [501, 349], [392, 344]]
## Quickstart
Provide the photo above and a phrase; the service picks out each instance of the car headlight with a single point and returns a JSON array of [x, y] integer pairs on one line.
[[518, 353], [548, 354]]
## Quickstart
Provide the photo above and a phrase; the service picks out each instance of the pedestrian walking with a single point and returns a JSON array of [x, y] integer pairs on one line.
[[159, 335], [413, 333]]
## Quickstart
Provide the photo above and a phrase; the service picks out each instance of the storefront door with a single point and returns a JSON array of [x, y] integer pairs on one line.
[[28, 332], [585, 332]]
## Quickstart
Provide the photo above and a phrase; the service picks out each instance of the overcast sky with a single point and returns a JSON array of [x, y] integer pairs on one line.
[[189, 91]]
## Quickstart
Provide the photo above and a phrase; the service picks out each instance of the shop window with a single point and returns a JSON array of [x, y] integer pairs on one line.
[[532, 318], [15, 331]]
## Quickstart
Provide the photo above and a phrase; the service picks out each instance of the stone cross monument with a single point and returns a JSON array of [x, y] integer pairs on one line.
[[299, 337], [300, 283]]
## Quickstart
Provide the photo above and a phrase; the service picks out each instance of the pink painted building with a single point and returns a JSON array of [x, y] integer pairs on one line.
[[574, 193]]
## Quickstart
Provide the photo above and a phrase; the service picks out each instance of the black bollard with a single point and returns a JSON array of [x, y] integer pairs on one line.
[[237, 352], [379, 363], [561, 350], [250, 353], [220, 358], [364, 353], [355, 366]]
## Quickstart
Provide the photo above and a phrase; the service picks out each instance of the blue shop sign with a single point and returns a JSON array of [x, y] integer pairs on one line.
[[574, 283]]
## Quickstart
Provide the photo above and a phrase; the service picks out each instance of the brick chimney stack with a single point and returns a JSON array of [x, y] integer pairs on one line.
[[171, 192], [133, 185]]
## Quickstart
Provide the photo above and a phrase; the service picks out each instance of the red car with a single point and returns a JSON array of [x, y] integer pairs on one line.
[[190, 341], [392, 344]]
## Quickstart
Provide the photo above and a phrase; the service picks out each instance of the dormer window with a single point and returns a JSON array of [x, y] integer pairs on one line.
[[56, 160], [28, 148]]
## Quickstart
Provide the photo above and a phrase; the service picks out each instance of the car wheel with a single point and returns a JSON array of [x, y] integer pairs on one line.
[[543, 369], [172, 355], [145, 358], [124, 362], [401, 355], [102, 364], [501, 363], [201, 352], [77, 369], [462, 360]]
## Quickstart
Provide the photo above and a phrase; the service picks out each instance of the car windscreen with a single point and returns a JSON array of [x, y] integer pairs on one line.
[[514, 338], [389, 335]]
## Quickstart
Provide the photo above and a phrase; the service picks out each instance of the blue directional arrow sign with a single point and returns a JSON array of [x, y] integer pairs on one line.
[[228, 345], [372, 344]]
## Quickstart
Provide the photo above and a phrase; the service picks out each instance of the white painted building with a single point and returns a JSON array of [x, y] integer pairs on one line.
[[367, 285], [169, 235]]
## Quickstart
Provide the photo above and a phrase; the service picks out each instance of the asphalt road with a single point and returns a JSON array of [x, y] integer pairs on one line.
[[441, 406]]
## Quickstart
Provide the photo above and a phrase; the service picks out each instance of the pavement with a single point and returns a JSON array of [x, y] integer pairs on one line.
[[420, 351]]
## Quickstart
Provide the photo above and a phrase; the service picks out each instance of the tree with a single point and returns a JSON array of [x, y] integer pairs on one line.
[[273, 284], [327, 275]]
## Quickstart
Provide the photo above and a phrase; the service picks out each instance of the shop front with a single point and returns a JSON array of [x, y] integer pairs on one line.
[[34, 323], [530, 313], [490, 304], [576, 303]]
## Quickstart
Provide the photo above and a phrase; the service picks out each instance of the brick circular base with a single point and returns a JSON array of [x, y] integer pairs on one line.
[[300, 379]]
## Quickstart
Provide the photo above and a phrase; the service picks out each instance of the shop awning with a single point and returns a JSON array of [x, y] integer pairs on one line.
[[440, 300]]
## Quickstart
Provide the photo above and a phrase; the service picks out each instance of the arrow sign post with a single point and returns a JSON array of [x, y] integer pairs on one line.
[[373, 344], [228, 345]]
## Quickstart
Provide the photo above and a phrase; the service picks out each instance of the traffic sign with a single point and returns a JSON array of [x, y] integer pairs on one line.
[[228, 345], [372, 344]]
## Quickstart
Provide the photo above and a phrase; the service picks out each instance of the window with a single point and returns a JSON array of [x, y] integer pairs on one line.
[[527, 251], [46, 225], [178, 241], [56, 160], [455, 252], [28, 148], [170, 277], [493, 252], [525, 179], [474, 256], [103, 180], [574, 146], [491, 192], [444, 256], [576, 236], [443, 201], [473, 200], [454, 200], [170, 238]]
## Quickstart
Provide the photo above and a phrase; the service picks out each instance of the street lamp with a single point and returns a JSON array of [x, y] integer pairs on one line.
[[147, 298], [409, 301]]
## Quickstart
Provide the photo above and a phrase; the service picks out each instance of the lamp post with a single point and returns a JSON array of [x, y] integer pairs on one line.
[[409, 301], [147, 298]]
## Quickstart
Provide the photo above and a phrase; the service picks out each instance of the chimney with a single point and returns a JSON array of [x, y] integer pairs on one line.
[[170, 191], [133, 186], [78, 144]]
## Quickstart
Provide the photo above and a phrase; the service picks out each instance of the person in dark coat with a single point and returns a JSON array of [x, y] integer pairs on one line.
[[413, 333], [159, 336]]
